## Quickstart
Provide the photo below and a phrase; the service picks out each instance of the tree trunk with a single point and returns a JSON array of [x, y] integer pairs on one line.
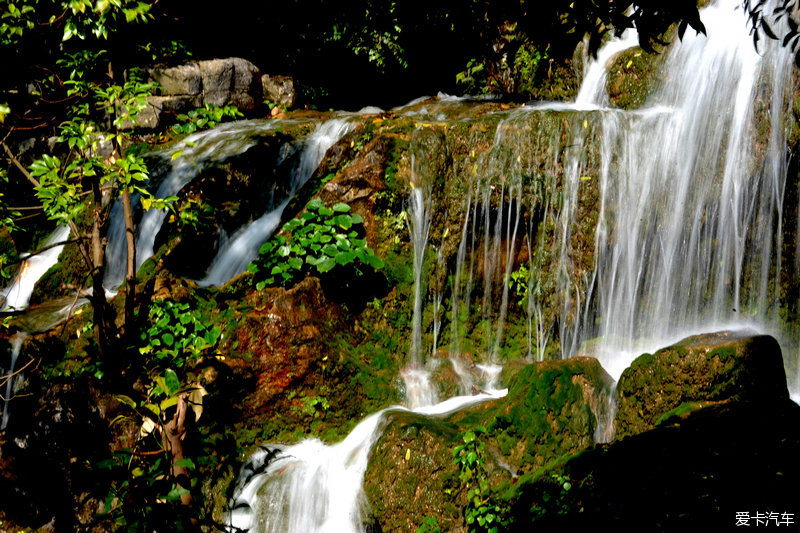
[[174, 431], [130, 275], [104, 315]]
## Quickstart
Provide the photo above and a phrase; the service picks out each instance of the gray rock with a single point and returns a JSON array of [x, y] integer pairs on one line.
[[232, 80], [279, 89], [181, 80], [160, 109]]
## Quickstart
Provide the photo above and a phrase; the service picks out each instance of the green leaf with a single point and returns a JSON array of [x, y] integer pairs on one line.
[[126, 400], [186, 462], [296, 263], [176, 493], [168, 339], [344, 221], [172, 381], [341, 208], [315, 204], [325, 265]]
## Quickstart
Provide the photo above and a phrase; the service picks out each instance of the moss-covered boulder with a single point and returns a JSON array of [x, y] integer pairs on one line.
[[411, 475], [695, 474], [549, 412], [552, 409], [712, 367], [632, 77]]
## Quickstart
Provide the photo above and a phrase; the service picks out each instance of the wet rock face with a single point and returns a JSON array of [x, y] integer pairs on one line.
[[551, 410], [283, 336], [411, 475], [632, 77], [548, 413], [712, 367]]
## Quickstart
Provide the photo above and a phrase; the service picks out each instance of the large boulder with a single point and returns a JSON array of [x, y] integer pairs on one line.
[[549, 412], [712, 367], [233, 80], [700, 472]]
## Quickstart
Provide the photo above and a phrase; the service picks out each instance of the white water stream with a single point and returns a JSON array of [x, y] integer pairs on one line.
[[689, 234], [241, 248], [312, 487], [17, 294], [200, 151]]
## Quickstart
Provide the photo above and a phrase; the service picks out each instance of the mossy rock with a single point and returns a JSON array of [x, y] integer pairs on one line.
[[632, 77], [694, 474], [712, 367], [551, 410], [411, 475]]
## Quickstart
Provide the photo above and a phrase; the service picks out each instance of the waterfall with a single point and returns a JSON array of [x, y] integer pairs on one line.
[[18, 293], [419, 223], [311, 487], [242, 247], [186, 160], [691, 197], [10, 379]]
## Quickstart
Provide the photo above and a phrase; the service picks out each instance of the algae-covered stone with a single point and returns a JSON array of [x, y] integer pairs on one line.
[[411, 475], [694, 475], [632, 77], [551, 410], [711, 367]]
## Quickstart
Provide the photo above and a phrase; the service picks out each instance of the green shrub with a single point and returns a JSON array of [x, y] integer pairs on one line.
[[319, 240], [208, 116]]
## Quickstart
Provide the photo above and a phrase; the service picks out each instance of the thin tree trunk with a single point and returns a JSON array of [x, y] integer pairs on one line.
[[174, 432], [104, 320], [130, 276]]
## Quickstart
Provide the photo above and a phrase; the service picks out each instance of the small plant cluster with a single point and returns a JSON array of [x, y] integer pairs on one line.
[[321, 239], [149, 480], [176, 334], [208, 116], [482, 514]]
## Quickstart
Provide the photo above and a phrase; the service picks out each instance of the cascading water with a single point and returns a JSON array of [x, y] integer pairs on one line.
[[314, 488], [689, 235], [241, 248], [592, 93], [187, 160], [17, 295], [10, 377]]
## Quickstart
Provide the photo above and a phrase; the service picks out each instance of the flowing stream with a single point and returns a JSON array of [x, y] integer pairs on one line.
[[311, 487], [200, 151], [241, 248], [17, 295]]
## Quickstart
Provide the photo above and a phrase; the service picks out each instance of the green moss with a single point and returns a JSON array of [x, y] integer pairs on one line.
[[678, 412]]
